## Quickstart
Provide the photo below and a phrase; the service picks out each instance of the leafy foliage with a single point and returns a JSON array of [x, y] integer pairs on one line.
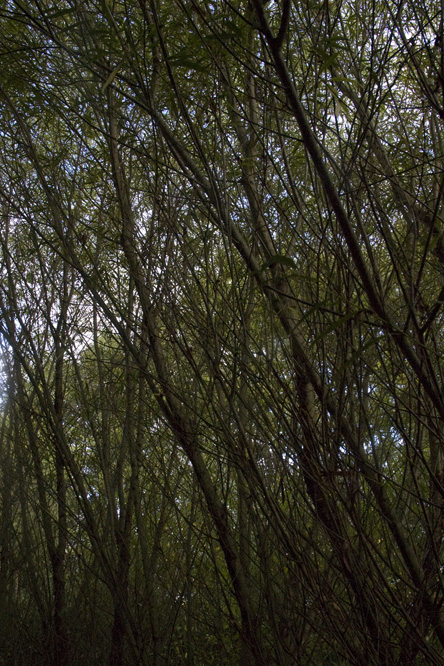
[[221, 300]]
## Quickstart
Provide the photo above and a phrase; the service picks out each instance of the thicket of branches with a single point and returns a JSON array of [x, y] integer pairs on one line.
[[221, 302]]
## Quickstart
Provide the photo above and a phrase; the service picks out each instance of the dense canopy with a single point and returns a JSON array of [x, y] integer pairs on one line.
[[221, 333]]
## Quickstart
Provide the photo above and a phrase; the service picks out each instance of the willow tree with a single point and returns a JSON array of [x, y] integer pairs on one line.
[[248, 198]]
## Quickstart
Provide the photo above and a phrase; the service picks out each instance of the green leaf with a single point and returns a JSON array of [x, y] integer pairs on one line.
[[62, 12], [336, 324], [112, 76], [180, 60], [278, 259]]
